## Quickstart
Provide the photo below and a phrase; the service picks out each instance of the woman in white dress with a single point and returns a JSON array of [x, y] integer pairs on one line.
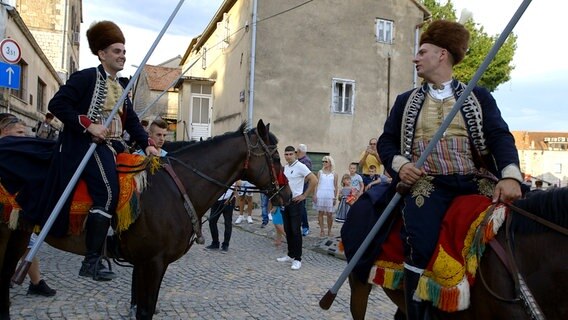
[[325, 195]]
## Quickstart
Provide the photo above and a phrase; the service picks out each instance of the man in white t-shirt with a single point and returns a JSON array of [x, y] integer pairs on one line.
[[297, 174]]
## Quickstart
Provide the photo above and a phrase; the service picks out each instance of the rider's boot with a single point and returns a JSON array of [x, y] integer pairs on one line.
[[415, 309], [98, 222]]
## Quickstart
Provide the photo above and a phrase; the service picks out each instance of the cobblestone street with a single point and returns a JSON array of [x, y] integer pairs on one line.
[[245, 283]]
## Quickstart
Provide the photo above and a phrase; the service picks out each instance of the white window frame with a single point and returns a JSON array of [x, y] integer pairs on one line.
[[384, 30], [339, 103]]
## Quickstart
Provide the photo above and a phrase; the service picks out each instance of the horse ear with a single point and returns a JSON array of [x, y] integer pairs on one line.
[[261, 129]]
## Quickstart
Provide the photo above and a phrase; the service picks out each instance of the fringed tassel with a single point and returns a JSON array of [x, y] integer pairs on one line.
[[128, 214], [155, 164], [141, 181], [14, 217], [449, 299], [495, 222], [386, 277]]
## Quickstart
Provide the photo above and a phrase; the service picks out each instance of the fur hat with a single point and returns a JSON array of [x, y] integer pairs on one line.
[[102, 34], [449, 35]]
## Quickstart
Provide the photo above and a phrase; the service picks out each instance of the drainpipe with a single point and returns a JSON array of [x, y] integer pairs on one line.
[[64, 49], [252, 62]]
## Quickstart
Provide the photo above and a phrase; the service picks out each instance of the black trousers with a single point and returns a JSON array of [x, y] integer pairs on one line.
[[293, 227], [102, 179], [219, 208]]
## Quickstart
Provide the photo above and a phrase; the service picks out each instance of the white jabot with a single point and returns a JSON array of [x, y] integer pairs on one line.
[[441, 93]]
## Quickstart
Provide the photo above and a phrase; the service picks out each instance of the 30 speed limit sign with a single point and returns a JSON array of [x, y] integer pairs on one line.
[[10, 51]]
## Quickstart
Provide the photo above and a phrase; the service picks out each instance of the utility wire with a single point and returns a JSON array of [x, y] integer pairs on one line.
[[214, 46]]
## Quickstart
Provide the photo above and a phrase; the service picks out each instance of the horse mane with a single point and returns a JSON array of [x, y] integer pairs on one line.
[[176, 147], [551, 205]]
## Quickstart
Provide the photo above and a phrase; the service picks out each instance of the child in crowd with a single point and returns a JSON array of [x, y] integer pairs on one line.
[[346, 191], [373, 178], [278, 226], [356, 180]]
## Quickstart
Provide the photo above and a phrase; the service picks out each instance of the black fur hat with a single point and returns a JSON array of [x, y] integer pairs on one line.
[[102, 34], [449, 35]]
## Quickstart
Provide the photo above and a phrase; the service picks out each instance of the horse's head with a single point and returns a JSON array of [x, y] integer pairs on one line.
[[263, 167]]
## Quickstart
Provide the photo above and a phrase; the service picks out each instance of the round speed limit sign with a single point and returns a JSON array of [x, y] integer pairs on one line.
[[10, 51]]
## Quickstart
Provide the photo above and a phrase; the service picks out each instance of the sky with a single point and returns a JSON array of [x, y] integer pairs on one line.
[[532, 100]]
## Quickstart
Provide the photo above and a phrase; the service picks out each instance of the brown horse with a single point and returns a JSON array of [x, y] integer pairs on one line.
[[163, 231], [540, 253]]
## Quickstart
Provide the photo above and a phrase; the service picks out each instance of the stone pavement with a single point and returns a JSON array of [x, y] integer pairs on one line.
[[245, 283]]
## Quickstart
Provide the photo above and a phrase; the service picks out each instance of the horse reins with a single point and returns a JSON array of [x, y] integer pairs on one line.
[[273, 191], [506, 256]]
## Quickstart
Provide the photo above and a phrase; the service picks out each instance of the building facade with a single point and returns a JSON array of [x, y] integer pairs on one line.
[[156, 96], [38, 80], [543, 156], [324, 74]]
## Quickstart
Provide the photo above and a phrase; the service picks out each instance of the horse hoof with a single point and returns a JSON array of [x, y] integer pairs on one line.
[[200, 240]]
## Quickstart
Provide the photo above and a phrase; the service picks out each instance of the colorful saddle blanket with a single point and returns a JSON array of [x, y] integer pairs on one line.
[[447, 279], [132, 180]]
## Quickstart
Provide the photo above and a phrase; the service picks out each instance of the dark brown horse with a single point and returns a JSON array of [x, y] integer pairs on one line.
[[163, 231], [540, 253]]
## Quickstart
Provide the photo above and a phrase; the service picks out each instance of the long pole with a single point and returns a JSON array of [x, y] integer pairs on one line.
[[329, 297], [22, 269]]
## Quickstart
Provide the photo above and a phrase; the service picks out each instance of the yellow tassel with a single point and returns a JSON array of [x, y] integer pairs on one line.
[[124, 218], [422, 289], [472, 265], [155, 164]]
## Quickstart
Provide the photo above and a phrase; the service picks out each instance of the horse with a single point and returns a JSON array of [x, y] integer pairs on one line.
[[164, 232], [539, 252]]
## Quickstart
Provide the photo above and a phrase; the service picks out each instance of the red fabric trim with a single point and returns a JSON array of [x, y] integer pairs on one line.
[[85, 121]]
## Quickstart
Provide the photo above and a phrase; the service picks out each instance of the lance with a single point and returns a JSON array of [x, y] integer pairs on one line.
[[22, 269], [327, 300]]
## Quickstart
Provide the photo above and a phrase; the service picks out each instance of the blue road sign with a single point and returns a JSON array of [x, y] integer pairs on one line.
[[10, 75]]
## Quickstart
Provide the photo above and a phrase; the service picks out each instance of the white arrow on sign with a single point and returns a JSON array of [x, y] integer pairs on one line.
[[10, 72]]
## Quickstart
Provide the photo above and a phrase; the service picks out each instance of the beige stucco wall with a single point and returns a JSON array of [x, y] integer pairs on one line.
[[297, 55], [542, 162], [53, 27]]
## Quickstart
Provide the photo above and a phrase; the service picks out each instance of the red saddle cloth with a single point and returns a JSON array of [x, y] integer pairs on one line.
[[451, 271], [128, 167]]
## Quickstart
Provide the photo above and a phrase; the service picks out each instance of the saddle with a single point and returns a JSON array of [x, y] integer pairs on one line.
[[451, 271], [132, 180]]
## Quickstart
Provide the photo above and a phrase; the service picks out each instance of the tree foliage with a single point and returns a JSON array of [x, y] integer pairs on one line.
[[499, 70]]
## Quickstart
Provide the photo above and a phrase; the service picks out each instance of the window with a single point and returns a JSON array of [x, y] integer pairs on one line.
[[40, 95], [22, 92], [385, 31], [557, 168], [343, 96]]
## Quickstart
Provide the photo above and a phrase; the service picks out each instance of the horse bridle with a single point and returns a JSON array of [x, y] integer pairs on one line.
[[267, 151], [506, 256]]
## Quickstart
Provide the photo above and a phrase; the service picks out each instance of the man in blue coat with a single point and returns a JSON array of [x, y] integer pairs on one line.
[[83, 104], [476, 154]]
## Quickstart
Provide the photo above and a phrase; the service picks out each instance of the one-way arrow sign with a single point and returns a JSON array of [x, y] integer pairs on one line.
[[10, 75]]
